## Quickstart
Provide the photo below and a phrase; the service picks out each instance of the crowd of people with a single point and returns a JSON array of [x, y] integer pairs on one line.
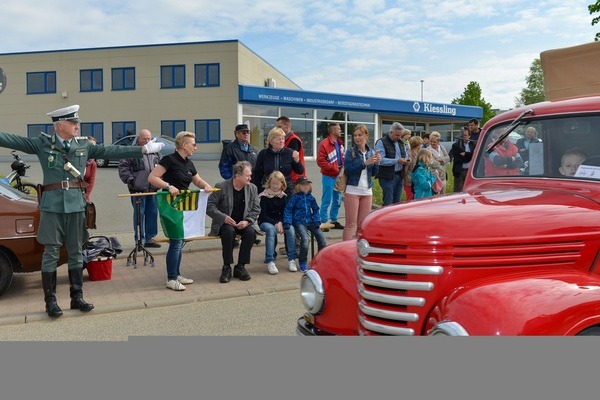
[[263, 191]]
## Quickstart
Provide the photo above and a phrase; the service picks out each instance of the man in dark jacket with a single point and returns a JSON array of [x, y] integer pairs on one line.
[[234, 209], [523, 143], [461, 154], [134, 173], [238, 150]]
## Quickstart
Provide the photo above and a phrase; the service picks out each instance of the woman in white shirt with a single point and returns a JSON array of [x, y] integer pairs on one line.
[[440, 156], [360, 165]]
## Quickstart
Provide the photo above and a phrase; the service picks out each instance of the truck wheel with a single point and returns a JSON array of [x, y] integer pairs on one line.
[[6, 273], [592, 331]]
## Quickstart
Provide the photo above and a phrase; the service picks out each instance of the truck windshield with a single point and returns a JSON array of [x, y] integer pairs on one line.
[[564, 148]]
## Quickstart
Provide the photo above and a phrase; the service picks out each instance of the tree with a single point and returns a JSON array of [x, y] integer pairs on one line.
[[534, 92], [593, 9], [472, 97]]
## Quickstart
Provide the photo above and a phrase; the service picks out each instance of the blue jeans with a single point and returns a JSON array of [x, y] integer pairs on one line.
[[328, 197], [174, 258], [270, 241], [290, 243], [302, 231], [149, 216], [392, 189]]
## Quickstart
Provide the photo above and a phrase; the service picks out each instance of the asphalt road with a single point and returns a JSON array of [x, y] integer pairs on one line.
[[273, 314]]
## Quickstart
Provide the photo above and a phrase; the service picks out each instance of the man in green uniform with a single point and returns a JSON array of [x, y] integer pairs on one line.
[[63, 156]]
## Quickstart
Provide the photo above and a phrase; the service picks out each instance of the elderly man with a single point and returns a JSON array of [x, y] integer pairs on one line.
[[393, 159], [63, 156], [134, 172], [234, 208], [523, 143], [238, 150]]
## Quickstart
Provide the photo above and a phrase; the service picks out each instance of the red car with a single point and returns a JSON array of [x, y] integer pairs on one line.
[[19, 249], [517, 253]]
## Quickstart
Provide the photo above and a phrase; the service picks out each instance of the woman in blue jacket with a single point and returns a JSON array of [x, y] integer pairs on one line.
[[360, 165], [422, 176]]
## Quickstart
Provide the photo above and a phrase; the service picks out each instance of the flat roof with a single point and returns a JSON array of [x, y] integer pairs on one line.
[[144, 46], [344, 102]]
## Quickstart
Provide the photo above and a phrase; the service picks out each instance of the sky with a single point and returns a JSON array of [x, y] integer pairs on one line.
[[373, 48]]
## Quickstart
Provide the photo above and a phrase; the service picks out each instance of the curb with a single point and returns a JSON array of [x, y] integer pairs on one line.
[[43, 317]]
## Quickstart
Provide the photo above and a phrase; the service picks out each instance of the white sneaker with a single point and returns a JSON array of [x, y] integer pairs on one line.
[[175, 285], [292, 266], [272, 268], [185, 281]]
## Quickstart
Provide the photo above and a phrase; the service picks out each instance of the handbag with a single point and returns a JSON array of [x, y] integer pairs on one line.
[[438, 185], [341, 181], [90, 215]]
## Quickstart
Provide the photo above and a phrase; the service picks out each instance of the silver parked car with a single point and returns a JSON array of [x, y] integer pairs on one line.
[[129, 141]]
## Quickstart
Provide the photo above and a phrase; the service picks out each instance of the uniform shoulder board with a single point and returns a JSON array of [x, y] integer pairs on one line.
[[81, 138], [44, 134]]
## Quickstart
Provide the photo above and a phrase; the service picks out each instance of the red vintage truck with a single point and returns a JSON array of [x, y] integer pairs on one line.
[[516, 253]]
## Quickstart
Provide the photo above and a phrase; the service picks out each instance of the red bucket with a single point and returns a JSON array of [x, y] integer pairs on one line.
[[100, 270]]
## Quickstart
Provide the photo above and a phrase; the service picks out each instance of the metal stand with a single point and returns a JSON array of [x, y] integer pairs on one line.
[[139, 247]]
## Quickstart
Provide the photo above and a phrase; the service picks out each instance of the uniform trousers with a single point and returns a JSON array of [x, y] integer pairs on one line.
[[57, 229]]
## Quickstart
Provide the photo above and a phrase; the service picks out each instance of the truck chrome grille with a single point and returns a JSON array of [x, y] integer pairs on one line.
[[397, 283], [393, 296]]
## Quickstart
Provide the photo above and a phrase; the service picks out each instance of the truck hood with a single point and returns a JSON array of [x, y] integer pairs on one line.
[[488, 216]]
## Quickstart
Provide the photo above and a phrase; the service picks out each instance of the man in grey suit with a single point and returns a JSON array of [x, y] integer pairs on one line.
[[234, 208]]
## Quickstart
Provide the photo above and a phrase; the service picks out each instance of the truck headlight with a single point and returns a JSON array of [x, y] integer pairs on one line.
[[311, 291]]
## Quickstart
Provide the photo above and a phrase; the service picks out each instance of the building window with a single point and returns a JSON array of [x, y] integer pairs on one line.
[[41, 82], [206, 75], [91, 80], [123, 78], [172, 128], [208, 130], [94, 129], [121, 129], [172, 76], [34, 130]]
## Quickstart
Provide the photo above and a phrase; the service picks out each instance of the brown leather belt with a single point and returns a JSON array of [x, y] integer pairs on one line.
[[66, 185]]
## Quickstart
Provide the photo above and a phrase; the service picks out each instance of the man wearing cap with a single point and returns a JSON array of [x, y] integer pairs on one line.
[[239, 149], [63, 156]]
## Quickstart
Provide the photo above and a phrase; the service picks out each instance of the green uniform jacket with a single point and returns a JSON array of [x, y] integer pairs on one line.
[[50, 151]]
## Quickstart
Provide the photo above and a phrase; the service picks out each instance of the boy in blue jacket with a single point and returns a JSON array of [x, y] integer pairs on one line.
[[301, 215]]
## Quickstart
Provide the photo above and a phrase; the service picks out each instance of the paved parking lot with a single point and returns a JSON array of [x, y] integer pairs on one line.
[[144, 286], [137, 288]]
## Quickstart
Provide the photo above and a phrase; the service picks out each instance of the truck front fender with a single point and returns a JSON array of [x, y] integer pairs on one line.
[[552, 303], [337, 266]]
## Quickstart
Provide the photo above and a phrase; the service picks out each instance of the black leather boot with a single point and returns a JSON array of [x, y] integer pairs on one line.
[[49, 286], [76, 281], [225, 274]]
